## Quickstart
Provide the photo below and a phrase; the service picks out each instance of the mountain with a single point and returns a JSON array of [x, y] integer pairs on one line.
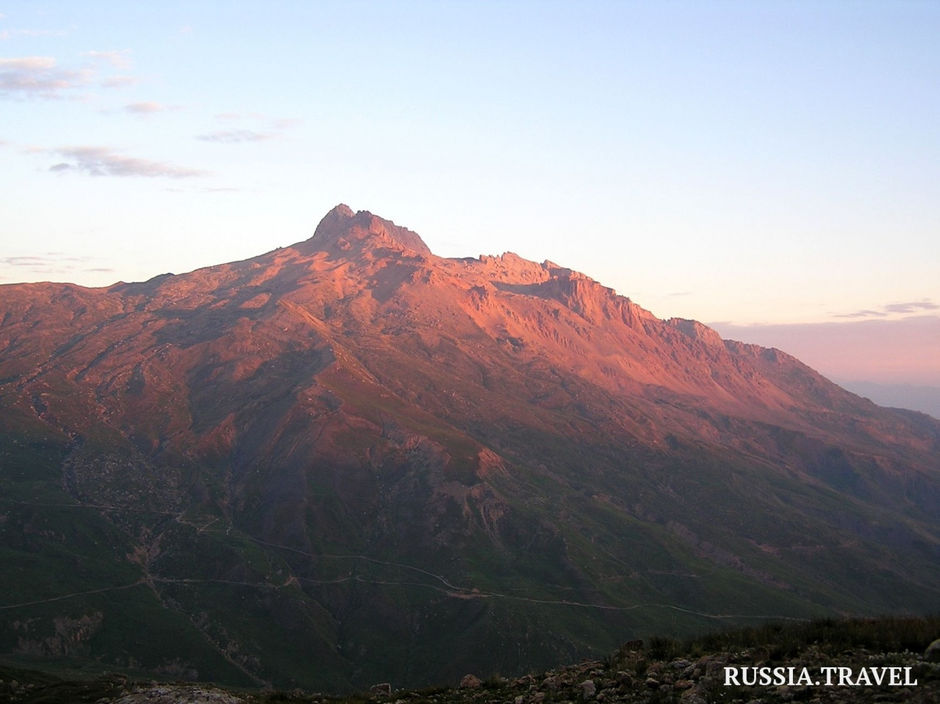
[[349, 461]]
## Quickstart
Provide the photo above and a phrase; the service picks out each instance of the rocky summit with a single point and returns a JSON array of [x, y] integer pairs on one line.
[[351, 461]]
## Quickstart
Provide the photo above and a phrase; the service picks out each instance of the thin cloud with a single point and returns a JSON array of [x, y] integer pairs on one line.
[[39, 76], [50, 266], [912, 306], [29, 261], [145, 108], [47, 260], [278, 124], [30, 63], [10, 33], [42, 77], [118, 81], [239, 116], [205, 189], [119, 58], [862, 314], [102, 161], [268, 128], [925, 304], [285, 123], [234, 136]]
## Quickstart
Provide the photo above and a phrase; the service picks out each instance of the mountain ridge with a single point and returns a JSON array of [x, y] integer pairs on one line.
[[406, 466]]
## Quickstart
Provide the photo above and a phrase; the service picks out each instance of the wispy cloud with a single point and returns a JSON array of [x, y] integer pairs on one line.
[[274, 123], [234, 136], [103, 161], [118, 81], [267, 128], [10, 33], [862, 314], [43, 77], [912, 306], [52, 262], [205, 189], [118, 58], [285, 123], [145, 108], [39, 76], [27, 261], [225, 116], [924, 304], [29, 63]]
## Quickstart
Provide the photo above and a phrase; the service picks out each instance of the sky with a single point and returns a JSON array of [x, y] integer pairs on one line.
[[753, 165]]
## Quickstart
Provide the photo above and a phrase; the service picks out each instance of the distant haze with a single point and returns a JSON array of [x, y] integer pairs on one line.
[[892, 362]]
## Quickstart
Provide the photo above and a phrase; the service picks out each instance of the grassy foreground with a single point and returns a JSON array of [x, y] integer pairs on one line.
[[693, 671]]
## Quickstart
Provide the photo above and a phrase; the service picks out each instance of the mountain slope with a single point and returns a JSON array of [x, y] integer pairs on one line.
[[350, 460]]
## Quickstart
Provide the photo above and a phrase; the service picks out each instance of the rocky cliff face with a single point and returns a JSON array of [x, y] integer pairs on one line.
[[350, 460]]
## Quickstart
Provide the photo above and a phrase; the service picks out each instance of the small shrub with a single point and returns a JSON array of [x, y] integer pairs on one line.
[[664, 648]]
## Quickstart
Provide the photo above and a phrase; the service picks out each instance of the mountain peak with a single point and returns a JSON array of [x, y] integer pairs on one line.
[[340, 211], [341, 227]]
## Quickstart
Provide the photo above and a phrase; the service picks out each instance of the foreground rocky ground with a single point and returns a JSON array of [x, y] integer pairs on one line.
[[850, 655]]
